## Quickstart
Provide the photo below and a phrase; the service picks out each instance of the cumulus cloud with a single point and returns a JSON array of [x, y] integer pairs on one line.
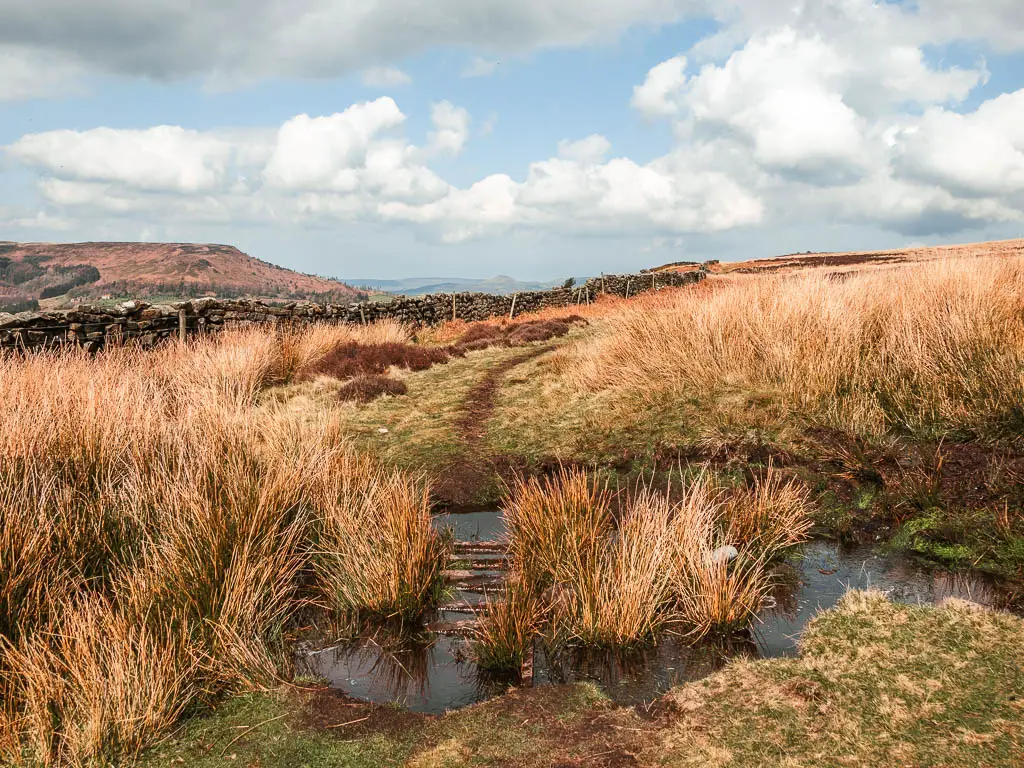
[[162, 158], [827, 110], [978, 154], [451, 128], [660, 94]]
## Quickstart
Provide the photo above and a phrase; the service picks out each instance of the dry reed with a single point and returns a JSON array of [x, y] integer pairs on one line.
[[154, 524], [925, 346], [617, 582]]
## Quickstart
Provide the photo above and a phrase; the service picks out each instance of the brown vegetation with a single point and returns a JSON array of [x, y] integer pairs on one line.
[[600, 578], [940, 346], [155, 525], [363, 388]]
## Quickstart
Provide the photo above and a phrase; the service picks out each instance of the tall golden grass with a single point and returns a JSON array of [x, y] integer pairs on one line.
[[586, 575], [931, 346], [155, 519], [377, 553]]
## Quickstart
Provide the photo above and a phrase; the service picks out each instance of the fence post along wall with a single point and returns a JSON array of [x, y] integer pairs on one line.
[[136, 321]]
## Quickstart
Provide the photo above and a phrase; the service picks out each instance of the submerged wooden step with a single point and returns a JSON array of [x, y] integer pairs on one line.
[[479, 563], [459, 628], [479, 547], [465, 606], [480, 584]]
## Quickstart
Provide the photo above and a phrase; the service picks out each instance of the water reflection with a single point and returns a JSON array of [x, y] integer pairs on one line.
[[637, 676], [430, 674], [822, 573]]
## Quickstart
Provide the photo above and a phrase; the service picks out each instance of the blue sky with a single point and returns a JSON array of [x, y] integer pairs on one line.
[[598, 135]]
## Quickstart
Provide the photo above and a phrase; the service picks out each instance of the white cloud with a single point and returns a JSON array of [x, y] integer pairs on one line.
[[589, 150], [385, 77], [30, 74], [979, 154], [660, 93], [480, 67], [451, 128], [822, 111], [162, 158], [324, 153]]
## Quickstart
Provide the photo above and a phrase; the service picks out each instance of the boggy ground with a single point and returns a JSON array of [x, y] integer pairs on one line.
[[875, 684], [951, 493]]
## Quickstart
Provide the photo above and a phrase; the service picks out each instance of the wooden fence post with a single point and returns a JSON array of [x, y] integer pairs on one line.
[[512, 309], [453, 308], [182, 327]]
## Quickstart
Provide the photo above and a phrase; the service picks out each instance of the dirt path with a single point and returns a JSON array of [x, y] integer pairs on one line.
[[460, 483]]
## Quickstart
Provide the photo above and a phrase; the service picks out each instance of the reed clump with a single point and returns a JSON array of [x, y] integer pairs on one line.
[[377, 553], [508, 626], [157, 522], [925, 347], [698, 562]]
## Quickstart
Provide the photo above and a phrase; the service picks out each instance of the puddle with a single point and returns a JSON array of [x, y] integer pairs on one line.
[[641, 676], [472, 526], [430, 677], [816, 581], [436, 675]]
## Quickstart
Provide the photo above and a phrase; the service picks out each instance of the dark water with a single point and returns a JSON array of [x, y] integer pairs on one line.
[[473, 526], [823, 572], [434, 674], [424, 676]]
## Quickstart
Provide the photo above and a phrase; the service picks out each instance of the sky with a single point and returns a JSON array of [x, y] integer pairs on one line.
[[391, 138]]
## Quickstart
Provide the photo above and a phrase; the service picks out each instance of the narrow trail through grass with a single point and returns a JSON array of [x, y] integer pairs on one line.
[[475, 467]]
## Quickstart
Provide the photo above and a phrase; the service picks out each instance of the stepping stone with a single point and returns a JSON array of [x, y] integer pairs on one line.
[[460, 628], [481, 547], [465, 606]]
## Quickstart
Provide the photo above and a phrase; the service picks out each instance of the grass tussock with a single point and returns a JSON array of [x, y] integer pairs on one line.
[[156, 529], [377, 552], [363, 389], [933, 346], [507, 628], [352, 359], [606, 579]]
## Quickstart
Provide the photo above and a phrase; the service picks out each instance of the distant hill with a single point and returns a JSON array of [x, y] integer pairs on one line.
[[31, 272], [418, 286]]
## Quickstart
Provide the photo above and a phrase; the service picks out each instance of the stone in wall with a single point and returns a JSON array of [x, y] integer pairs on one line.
[[145, 324]]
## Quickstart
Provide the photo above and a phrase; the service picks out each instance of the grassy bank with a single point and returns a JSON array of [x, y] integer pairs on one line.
[[875, 684]]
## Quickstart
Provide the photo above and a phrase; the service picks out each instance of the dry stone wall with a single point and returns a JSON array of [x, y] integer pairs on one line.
[[144, 324]]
